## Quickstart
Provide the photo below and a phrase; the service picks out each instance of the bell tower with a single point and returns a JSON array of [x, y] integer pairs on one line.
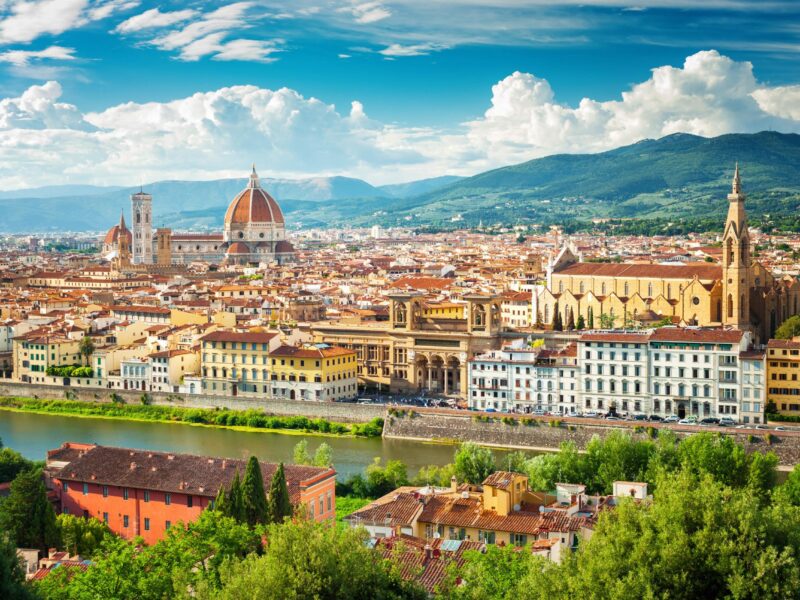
[[736, 261], [142, 212]]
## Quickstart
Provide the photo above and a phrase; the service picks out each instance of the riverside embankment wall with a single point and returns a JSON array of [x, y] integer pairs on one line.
[[424, 425], [333, 411]]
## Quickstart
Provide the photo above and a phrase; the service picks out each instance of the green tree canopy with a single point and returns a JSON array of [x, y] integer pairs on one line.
[[279, 506], [12, 575], [789, 328], [27, 515], [254, 498], [86, 347], [304, 559], [323, 457], [80, 535], [473, 463], [300, 455], [12, 463]]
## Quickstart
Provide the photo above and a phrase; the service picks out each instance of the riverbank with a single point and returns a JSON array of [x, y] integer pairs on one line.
[[248, 420]]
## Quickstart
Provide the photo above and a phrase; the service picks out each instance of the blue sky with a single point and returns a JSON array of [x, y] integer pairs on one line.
[[448, 86]]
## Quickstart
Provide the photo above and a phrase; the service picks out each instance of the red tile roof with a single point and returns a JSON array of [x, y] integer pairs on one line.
[[633, 270]]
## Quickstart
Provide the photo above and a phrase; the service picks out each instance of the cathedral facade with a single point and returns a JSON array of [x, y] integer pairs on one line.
[[254, 232], [739, 292]]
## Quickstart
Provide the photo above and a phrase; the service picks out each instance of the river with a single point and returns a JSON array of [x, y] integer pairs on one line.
[[34, 434]]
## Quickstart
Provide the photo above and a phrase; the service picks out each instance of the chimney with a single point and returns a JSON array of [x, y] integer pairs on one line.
[[453, 484], [51, 552], [133, 465], [428, 552]]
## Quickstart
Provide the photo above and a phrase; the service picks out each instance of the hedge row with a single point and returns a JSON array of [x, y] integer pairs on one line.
[[207, 416]]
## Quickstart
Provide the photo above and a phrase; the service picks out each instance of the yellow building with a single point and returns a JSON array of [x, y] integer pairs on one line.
[[169, 367], [34, 353], [783, 371], [234, 363], [739, 293], [315, 372]]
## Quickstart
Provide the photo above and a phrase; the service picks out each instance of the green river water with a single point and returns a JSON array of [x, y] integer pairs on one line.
[[34, 434]]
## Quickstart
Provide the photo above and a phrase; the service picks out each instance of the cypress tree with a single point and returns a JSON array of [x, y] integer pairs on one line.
[[581, 323], [27, 515], [570, 319], [279, 505], [254, 499], [557, 324], [221, 501], [233, 501], [591, 318]]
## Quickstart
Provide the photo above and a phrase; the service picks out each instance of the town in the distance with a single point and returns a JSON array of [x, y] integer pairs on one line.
[[491, 336]]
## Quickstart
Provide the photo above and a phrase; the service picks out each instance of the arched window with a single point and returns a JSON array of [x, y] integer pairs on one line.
[[730, 252], [560, 286], [603, 288], [669, 291], [581, 287], [546, 313], [625, 288], [138, 217], [649, 290], [741, 307], [743, 252], [730, 306]]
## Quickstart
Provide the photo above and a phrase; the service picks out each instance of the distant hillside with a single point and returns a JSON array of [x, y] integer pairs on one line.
[[680, 177], [55, 191], [416, 188], [676, 176]]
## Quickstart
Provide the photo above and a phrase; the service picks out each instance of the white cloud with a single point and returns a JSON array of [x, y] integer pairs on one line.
[[218, 133], [154, 18], [23, 21], [369, 12], [411, 50], [213, 34], [27, 20], [22, 58]]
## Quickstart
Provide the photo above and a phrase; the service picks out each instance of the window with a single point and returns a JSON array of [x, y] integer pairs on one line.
[[147, 524], [105, 491], [105, 518], [167, 524], [519, 539], [147, 495], [189, 501], [311, 508], [124, 520], [487, 537], [85, 489], [124, 493], [65, 486], [330, 502], [167, 499]]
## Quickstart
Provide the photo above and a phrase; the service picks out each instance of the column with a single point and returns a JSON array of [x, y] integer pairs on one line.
[[430, 375], [446, 370]]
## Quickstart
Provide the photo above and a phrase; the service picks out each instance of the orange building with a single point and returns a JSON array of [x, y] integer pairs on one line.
[[143, 493]]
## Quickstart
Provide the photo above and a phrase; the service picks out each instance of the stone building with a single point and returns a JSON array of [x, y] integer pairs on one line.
[[413, 352], [738, 293]]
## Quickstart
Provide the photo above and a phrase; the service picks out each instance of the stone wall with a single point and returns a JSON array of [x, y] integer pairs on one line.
[[334, 411], [424, 425]]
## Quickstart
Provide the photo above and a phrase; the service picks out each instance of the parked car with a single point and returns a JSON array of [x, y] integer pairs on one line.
[[640, 417], [538, 412], [709, 421], [655, 418], [688, 421], [761, 427], [671, 419], [726, 422], [613, 418], [490, 410], [780, 428]]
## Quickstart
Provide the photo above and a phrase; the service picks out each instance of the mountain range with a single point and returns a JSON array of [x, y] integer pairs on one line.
[[679, 176]]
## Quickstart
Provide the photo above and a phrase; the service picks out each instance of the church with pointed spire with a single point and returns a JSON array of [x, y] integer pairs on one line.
[[739, 292], [254, 233]]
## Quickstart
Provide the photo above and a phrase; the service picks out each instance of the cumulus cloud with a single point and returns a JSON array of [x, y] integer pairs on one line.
[[21, 58], [154, 18], [368, 12], [218, 133]]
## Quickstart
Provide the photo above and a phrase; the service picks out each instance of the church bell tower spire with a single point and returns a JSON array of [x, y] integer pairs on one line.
[[737, 271]]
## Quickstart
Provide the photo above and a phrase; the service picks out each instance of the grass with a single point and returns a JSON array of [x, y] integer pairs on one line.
[[235, 419]]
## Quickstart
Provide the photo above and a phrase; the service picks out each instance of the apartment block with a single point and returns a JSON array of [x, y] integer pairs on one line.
[[783, 371]]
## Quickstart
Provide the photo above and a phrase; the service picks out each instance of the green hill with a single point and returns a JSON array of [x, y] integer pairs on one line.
[[680, 176]]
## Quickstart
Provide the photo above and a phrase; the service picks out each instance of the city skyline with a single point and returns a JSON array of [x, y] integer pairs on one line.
[[385, 91]]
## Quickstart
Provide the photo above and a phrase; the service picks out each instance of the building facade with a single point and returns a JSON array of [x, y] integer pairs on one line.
[[142, 211], [317, 373], [783, 372], [144, 493], [740, 292]]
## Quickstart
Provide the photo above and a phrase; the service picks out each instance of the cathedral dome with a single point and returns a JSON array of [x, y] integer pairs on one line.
[[238, 248], [112, 237], [253, 205]]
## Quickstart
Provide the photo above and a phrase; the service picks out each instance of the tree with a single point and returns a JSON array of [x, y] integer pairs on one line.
[[86, 348], [300, 455], [435, 475], [698, 538], [570, 319], [279, 506], [27, 515], [230, 503], [12, 575], [789, 491], [789, 328], [323, 457], [473, 463], [591, 318], [12, 464], [567, 465], [607, 321], [581, 323], [557, 324], [254, 499], [305, 559], [80, 535], [382, 480]]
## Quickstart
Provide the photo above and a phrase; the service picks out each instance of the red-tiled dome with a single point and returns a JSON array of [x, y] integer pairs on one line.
[[253, 205], [238, 248], [113, 234], [283, 247]]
